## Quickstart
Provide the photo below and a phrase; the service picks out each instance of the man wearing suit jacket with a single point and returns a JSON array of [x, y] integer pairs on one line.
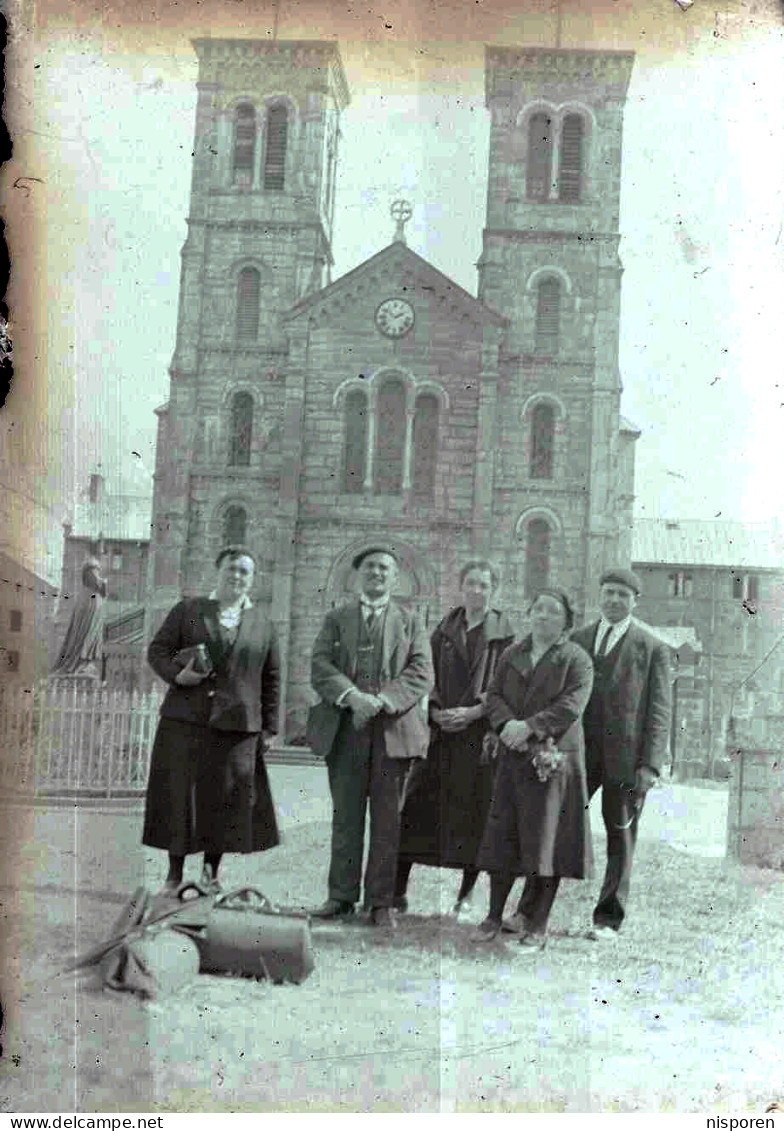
[[627, 727], [372, 669]]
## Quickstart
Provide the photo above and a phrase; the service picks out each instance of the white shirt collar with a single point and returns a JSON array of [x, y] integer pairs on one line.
[[616, 631], [245, 601], [381, 603]]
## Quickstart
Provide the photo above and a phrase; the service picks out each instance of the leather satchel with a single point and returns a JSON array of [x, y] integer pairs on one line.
[[243, 934]]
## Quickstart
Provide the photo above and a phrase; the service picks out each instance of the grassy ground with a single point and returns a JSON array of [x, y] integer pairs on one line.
[[683, 1012]]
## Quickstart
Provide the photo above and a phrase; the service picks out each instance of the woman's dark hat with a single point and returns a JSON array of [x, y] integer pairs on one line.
[[622, 577], [360, 557], [560, 595]]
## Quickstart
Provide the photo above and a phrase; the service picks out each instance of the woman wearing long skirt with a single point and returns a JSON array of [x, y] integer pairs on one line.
[[208, 789], [449, 793], [538, 821]]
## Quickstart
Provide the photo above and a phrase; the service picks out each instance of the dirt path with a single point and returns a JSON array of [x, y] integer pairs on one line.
[[683, 1012]]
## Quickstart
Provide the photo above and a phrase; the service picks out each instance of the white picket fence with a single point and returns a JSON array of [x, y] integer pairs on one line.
[[68, 737]]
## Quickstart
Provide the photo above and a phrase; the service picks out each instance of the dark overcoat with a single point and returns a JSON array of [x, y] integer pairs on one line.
[[448, 795], [405, 680], [208, 788], [533, 827], [635, 709]]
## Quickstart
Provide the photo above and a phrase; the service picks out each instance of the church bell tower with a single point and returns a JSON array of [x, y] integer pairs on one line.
[[259, 240], [550, 264]]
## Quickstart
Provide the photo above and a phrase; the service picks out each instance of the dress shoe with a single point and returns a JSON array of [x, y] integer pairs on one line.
[[531, 942], [514, 925], [400, 903], [599, 933], [334, 909], [383, 917], [487, 930], [462, 907], [209, 881]]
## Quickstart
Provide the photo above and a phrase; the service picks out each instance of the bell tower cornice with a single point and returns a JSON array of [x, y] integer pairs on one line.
[[227, 60], [509, 70]]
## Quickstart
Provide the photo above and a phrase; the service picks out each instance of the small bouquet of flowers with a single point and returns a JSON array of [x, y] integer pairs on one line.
[[547, 759]]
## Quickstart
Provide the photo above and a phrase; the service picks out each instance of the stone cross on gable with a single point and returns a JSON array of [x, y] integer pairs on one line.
[[401, 212]]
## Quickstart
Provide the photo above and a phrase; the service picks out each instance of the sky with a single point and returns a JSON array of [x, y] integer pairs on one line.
[[107, 128]]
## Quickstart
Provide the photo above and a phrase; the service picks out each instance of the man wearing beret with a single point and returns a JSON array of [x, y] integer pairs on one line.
[[627, 727], [372, 670]]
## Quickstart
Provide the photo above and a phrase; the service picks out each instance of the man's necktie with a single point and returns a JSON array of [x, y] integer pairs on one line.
[[371, 620], [602, 649]]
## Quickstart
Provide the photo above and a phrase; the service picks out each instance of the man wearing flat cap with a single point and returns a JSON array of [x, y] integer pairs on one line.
[[627, 728], [372, 671]]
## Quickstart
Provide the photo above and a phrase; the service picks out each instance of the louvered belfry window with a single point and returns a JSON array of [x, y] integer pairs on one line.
[[537, 556], [542, 441], [570, 166], [241, 430], [425, 446], [355, 441], [235, 522], [548, 316], [248, 285], [539, 167], [244, 143], [275, 152], [390, 438]]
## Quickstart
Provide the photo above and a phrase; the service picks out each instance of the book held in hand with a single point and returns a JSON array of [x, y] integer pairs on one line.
[[200, 656]]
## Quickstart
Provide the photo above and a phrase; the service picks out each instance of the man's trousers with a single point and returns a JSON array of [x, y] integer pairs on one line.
[[621, 810], [360, 772]]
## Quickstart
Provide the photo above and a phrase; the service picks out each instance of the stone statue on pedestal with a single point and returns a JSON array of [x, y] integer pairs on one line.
[[82, 648]]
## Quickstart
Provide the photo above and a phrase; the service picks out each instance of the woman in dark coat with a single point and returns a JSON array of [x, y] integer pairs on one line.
[[538, 821], [208, 789], [449, 793]]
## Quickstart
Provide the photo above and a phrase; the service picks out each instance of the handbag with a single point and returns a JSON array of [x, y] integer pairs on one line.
[[242, 933]]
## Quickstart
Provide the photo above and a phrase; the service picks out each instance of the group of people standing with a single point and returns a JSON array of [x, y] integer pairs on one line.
[[471, 750]]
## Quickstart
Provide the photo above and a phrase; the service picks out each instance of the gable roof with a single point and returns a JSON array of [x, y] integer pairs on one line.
[[399, 256], [699, 542]]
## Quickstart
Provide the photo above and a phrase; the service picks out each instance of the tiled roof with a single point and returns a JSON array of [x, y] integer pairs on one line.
[[697, 542]]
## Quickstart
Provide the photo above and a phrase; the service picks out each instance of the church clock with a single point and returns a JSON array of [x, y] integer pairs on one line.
[[395, 317]]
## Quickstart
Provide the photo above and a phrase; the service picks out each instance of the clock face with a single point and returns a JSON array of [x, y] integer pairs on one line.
[[395, 317]]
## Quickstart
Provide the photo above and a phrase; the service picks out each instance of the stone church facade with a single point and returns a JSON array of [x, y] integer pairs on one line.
[[309, 417]]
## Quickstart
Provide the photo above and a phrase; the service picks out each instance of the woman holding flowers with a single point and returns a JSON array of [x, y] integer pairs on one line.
[[538, 821]]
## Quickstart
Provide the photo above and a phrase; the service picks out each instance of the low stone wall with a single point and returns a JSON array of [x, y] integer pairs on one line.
[[755, 817]]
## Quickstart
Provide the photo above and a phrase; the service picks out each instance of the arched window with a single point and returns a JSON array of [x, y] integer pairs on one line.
[[275, 151], [235, 521], [244, 143], [537, 555], [355, 442], [548, 316], [542, 441], [539, 167], [570, 165], [248, 286], [241, 430], [390, 437], [425, 446]]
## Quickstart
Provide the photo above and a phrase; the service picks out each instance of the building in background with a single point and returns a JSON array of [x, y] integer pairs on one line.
[[724, 582], [114, 526], [27, 623], [307, 416]]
